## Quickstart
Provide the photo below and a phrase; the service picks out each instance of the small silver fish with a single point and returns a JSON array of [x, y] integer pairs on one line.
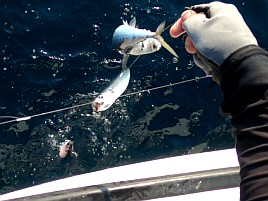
[[106, 98], [127, 36]]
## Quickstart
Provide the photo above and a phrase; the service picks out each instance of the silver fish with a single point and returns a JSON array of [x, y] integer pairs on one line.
[[127, 36], [106, 98], [148, 46]]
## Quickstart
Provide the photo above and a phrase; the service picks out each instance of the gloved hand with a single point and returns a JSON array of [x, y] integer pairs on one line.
[[216, 30]]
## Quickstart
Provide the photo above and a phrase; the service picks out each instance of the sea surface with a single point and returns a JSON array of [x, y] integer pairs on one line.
[[56, 54]]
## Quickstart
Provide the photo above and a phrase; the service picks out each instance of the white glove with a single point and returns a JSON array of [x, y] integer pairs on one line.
[[217, 31]]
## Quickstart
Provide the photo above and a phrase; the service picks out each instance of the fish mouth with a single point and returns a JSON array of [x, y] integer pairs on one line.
[[96, 106]]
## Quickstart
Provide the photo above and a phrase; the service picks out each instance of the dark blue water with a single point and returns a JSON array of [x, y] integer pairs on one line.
[[56, 54]]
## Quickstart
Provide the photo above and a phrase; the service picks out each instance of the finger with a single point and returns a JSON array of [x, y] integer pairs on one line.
[[177, 29], [189, 46]]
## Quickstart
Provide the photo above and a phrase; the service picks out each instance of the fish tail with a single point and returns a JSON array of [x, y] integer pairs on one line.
[[158, 36], [160, 28], [166, 46]]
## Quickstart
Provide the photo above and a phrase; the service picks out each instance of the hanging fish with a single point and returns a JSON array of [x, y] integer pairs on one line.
[[127, 36], [106, 98]]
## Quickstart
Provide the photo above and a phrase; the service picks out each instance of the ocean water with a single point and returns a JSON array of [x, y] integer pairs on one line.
[[58, 54]]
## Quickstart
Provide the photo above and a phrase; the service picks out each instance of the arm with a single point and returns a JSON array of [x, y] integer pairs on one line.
[[244, 83], [229, 52]]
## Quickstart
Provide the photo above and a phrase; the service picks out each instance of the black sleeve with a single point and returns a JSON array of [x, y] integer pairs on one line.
[[244, 84]]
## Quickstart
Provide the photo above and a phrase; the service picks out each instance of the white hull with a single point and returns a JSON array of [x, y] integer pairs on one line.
[[180, 169]]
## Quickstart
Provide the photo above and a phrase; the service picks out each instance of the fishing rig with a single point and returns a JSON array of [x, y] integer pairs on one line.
[[13, 119]]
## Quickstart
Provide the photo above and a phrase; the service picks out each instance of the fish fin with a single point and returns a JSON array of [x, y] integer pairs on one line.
[[158, 31], [160, 28], [132, 23], [166, 46], [124, 61]]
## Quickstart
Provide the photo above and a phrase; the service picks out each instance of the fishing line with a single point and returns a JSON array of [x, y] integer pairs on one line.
[[165, 86], [168, 26], [134, 62], [8, 117], [18, 119]]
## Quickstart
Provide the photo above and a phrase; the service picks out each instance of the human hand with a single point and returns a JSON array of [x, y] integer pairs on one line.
[[215, 31]]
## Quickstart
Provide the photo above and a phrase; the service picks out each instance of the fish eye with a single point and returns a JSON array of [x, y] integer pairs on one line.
[[154, 46]]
